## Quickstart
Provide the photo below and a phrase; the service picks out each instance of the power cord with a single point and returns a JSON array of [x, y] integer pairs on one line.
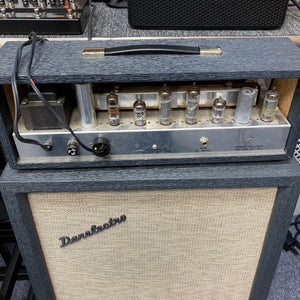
[[295, 3], [92, 9], [18, 58], [33, 40]]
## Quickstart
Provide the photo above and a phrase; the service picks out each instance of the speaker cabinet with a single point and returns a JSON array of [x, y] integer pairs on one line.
[[201, 232], [206, 14]]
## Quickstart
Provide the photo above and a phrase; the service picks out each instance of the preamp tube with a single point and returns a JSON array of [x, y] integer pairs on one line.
[[165, 106], [218, 110], [34, 3], [43, 4], [269, 107], [192, 102], [139, 111], [11, 4], [113, 109], [244, 105], [3, 13], [25, 3], [72, 4]]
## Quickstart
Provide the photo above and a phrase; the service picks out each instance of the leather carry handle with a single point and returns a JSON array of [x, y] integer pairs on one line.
[[152, 49]]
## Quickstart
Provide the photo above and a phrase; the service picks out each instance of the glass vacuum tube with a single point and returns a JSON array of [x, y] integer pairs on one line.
[[139, 111], [269, 107], [165, 107], [218, 110], [192, 102], [113, 109]]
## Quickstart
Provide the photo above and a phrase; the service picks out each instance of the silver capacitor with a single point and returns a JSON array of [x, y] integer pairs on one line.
[[192, 102], [269, 107], [86, 105], [165, 106], [218, 110], [244, 105], [113, 109], [139, 111]]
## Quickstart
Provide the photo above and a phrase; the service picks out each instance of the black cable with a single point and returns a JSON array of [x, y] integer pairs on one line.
[[92, 9], [296, 4], [33, 39], [17, 100], [42, 98], [297, 223], [292, 241]]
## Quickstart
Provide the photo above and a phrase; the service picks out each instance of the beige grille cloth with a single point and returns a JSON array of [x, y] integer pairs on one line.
[[175, 244]]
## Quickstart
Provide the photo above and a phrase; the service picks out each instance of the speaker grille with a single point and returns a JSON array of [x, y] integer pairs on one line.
[[174, 244], [207, 14]]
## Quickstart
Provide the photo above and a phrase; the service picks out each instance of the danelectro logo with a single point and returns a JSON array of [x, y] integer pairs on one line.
[[65, 240]]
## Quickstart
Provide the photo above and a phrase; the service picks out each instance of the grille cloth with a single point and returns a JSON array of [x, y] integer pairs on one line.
[[174, 244], [207, 14]]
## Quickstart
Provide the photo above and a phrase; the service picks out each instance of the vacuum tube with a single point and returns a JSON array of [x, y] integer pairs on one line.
[[218, 110], [269, 107], [139, 111], [244, 105], [192, 105], [165, 107], [113, 109]]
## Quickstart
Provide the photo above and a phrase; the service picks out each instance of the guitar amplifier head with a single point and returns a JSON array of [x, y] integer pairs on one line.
[[235, 100], [206, 14], [152, 233]]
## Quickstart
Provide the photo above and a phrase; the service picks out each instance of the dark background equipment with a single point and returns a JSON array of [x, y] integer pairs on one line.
[[205, 14], [43, 17]]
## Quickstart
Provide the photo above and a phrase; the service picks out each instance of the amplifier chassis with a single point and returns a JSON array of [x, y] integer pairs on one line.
[[130, 142]]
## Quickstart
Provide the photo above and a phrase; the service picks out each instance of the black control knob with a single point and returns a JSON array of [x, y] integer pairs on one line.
[[73, 148], [101, 147]]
